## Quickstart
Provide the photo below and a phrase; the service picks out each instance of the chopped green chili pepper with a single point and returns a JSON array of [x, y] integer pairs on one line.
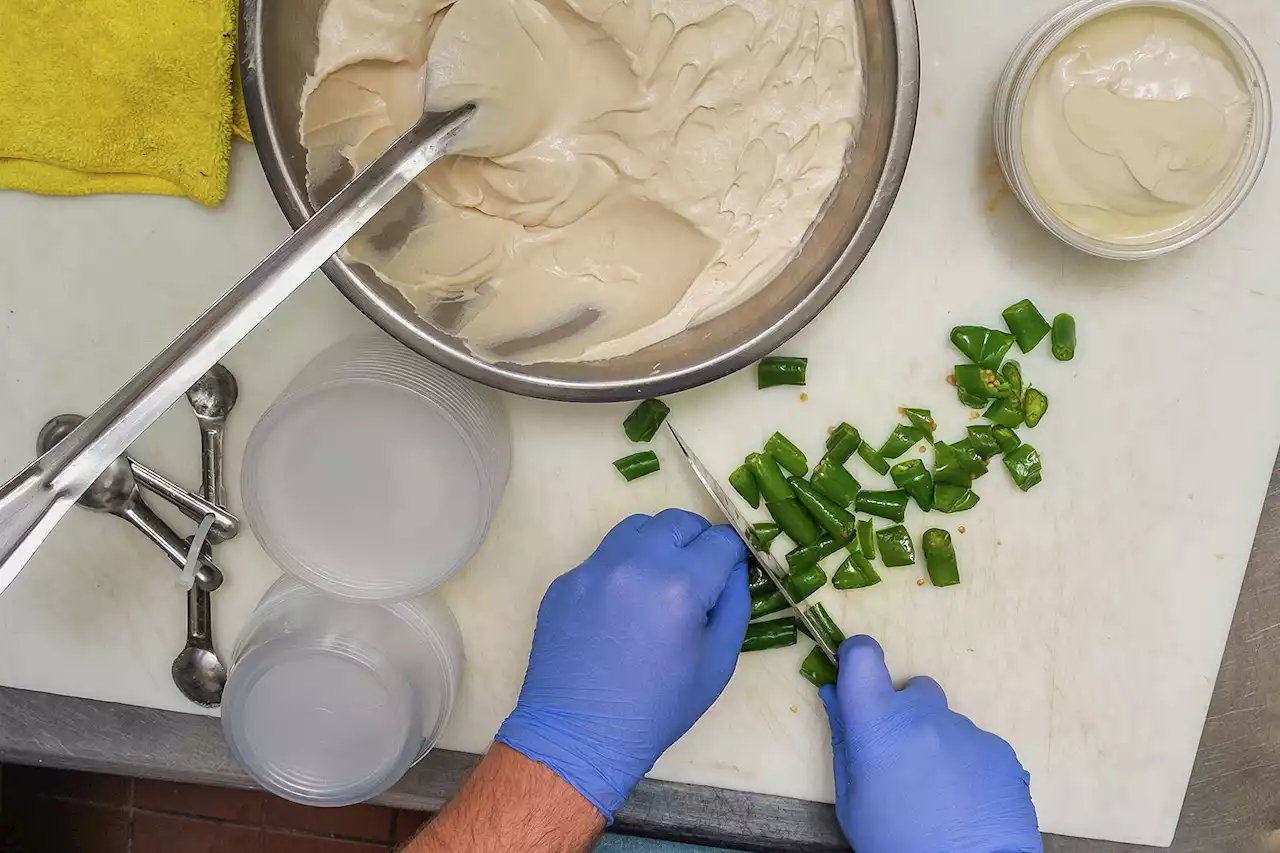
[[818, 669], [981, 382], [763, 534], [769, 477], [788, 455], [866, 538], [913, 478], [1062, 343], [801, 585], [889, 505], [940, 557], [776, 370], [843, 442], [744, 483], [643, 422], [902, 439], [983, 346], [770, 634], [856, 572], [637, 465], [1012, 373], [1004, 412], [1034, 405], [970, 401], [970, 460], [802, 558], [825, 625], [895, 546], [874, 460], [1026, 323], [836, 520], [1006, 438], [983, 441], [795, 521], [949, 498], [758, 581], [833, 481], [921, 419], [1024, 465], [948, 467]]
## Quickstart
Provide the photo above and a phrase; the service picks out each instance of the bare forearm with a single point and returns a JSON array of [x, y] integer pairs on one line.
[[511, 804]]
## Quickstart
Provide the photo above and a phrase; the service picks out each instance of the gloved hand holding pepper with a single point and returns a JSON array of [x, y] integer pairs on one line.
[[630, 649], [912, 776]]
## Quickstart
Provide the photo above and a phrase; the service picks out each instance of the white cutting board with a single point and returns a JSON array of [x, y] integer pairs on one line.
[[1094, 610]]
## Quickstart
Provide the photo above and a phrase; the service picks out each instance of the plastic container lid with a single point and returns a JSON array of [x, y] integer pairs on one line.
[[329, 702], [376, 475]]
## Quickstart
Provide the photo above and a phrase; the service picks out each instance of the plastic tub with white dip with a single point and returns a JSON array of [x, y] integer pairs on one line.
[[1131, 128]]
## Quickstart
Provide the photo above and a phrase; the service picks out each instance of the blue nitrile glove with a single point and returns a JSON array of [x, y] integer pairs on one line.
[[913, 776], [630, 649]]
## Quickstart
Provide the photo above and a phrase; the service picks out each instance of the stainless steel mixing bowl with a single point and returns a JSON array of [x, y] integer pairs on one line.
[[278, 47]]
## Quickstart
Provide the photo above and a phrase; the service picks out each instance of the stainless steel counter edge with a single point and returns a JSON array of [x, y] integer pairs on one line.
[[1232, 805]]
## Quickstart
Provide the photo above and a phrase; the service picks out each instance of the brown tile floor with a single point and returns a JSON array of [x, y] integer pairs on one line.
[[57, 811]]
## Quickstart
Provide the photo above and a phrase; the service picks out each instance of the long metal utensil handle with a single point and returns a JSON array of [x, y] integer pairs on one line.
[[34, 501], [225, 524]]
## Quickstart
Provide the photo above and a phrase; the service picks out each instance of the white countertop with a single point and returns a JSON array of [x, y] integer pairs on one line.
[[1094, 610]]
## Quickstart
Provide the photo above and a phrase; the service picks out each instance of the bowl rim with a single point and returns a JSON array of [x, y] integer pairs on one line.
[[1010, 103], [390, 316]]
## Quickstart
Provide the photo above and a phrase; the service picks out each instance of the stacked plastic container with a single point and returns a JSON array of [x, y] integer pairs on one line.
[[371, 480]]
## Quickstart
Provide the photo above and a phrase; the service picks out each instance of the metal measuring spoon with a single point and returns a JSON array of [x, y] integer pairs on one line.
[[197, 672], [116, 491]]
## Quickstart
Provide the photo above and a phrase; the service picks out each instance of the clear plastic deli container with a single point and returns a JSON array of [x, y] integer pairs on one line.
[[329, 702], [376, 474]]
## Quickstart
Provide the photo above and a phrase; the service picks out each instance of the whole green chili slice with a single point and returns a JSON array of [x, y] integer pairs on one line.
[[970, 460], [758, 581], [1062, 341], [801, 585], [940, 557], [856, 572], [983, 346], [983, 441], [895, 546], [770, 634], [872, 457], [788, 455], [763, 534], [1024, 466], [1006, 438], [777, 370], [1012, 373], [913, 478], [866, 538], [1026, 323], [645, 419], [826, 626], [818, 669], [769, 477], [637, 465], [843, 442], [795, 521], [834, 482], [834, 519], [949, 498], [921, 419], [744, 483], [948, 467], [1005, 412], [1034, 405], [888, 505], [981, 382], [805, 556], [902, 439]]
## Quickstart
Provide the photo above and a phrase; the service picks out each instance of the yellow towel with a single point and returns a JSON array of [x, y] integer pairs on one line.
[[118, 96]]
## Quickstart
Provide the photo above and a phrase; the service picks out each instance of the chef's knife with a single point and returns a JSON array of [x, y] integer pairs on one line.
[[767, 561]]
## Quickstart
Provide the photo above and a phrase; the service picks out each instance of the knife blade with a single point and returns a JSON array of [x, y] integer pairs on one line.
[[739, 523]]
